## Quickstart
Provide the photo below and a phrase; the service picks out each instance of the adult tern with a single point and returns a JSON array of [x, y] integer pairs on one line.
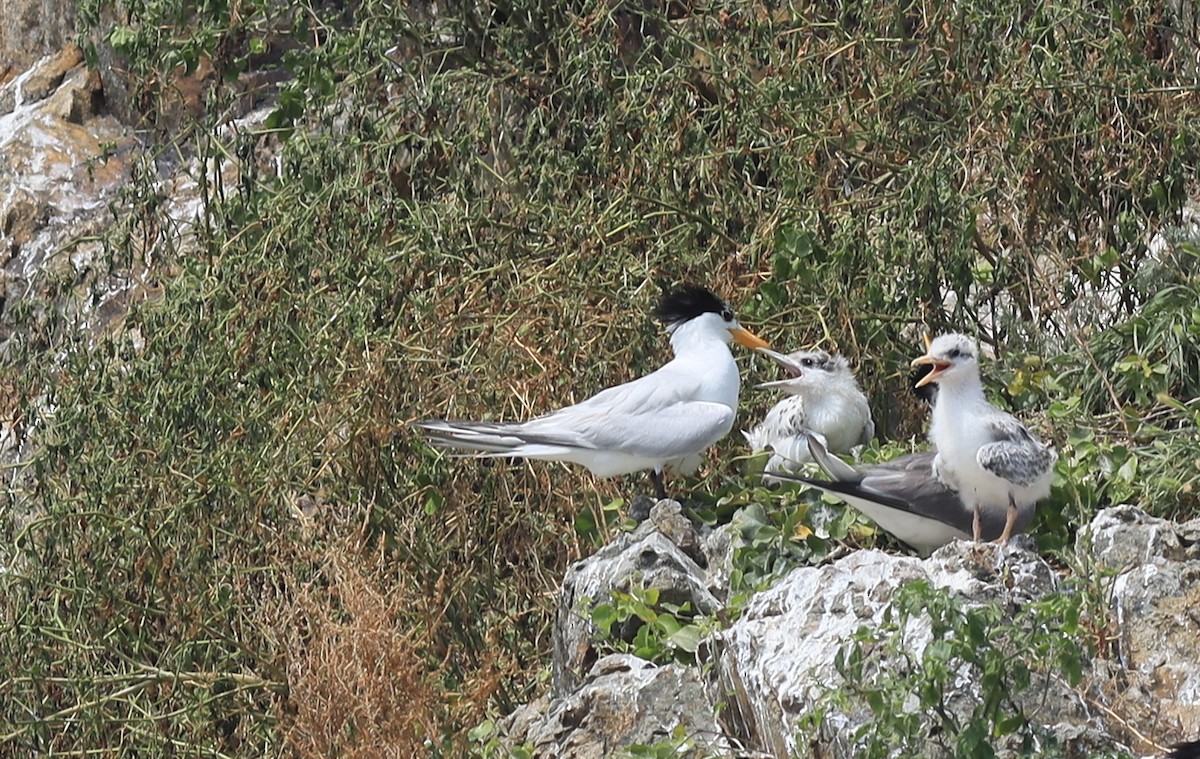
[[664, 419], [823, 398], [984, 453]]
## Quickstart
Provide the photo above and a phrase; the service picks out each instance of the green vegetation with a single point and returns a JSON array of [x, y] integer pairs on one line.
[[227, 543], [658, 632], [1015, 660]]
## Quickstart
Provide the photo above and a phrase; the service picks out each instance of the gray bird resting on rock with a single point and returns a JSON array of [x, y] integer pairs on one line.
[[823, 399], [664, 419], [986, 455], [903, 496]]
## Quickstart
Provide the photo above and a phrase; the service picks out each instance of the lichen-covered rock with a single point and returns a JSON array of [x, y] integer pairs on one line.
[[719, 546], [39, 81], [646, 558], [1124, 537], [61, 165], [64, 162], [766, 673], [1156, 602], [1189, 535], [623, 701], [774, 666]]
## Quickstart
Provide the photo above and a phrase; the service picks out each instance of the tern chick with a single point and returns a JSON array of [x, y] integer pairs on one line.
[[984, 453], [823, 398]]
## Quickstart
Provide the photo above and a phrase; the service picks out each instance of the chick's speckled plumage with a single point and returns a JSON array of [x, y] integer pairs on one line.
[[823, 398], [984, 453]]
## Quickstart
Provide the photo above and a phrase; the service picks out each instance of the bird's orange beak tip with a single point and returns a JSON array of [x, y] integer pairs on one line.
[[748, 339]]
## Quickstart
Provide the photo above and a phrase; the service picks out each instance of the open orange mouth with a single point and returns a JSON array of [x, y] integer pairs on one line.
[[939, 366]]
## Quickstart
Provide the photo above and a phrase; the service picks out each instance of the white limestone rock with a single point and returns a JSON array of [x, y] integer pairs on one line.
[[623, 701], [774, 665], [644, 559]]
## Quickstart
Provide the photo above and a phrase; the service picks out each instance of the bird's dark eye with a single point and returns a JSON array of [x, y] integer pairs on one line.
[[956, 353], [727, 314], [806, 362]]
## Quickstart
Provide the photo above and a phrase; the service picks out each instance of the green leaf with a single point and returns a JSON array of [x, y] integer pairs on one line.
[[1128, 470], [123, 39], [482, 731], [603, 617], [686, 638]]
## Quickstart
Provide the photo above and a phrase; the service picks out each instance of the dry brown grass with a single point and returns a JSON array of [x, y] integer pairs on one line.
[[357, 684]]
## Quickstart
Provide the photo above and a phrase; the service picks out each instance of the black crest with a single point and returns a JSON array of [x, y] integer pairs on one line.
[[1189, 750], [688, 302]]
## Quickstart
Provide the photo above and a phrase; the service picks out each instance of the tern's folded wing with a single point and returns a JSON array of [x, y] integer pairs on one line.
[[922, 515], [1015, 455], [679, 429], [905, 497]]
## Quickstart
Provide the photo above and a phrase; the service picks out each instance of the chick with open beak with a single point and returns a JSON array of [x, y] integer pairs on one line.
[[983, 453], [942, 361], [823, 398]]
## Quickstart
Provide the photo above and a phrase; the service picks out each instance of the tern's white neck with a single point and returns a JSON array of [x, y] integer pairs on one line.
[[952, 411], [698, 334], [703, 360], [965, 389]]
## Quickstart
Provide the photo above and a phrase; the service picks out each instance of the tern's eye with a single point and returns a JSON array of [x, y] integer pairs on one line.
[[727, 314], [806, 362], [955, 353]]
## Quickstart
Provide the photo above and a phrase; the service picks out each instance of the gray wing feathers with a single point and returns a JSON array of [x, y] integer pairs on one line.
[[911, 485], [837, 469], [1015, 455], [486, 436], [681, 429]]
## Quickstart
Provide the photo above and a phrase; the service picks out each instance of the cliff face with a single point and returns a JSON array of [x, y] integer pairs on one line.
[[63, 160], [30, 29], [875, 652]]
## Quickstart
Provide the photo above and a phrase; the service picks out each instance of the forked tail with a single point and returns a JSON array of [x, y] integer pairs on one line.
[[837, 469], [484, 437]]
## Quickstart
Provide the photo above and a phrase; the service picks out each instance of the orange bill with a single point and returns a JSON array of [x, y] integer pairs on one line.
[[748, 339], [938, 365]]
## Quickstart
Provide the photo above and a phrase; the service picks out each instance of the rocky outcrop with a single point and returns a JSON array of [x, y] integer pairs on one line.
[[62, 162], [623, 701], [655, 556], [67, 177], [30, 29], [1156, 604], [784, 659], [776, 664]]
